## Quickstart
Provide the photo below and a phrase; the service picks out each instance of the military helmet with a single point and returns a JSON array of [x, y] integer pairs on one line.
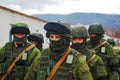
[[96, 29], [59, 28], [36, 37], [20, 28], [111, 41], [79, 31]]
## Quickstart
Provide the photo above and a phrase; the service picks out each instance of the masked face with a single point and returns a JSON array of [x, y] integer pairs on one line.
[[55, 41], [78, 43], [94, 38], [20, 38], [56, 45]]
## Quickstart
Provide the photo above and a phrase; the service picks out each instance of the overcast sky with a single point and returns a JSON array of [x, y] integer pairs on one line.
[[63, 6]]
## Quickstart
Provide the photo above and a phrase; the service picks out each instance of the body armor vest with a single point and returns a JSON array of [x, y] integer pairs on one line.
[[20, 68], [64, 71]]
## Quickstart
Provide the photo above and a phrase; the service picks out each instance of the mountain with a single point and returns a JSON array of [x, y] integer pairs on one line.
[[108, 20], [111, 22]]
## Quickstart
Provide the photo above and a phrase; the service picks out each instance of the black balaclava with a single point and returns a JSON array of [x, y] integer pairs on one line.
[[20, 41], [60, 45], [79, 46], [96, 39]]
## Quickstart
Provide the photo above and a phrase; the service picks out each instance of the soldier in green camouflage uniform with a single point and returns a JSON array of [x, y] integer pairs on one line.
[[104, 50], [37, 39], [97, 66], [74, 67], [112, 43], [26, 68]]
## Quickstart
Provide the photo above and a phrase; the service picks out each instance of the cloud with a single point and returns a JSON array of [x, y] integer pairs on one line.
[[30, 4], [63, 6]]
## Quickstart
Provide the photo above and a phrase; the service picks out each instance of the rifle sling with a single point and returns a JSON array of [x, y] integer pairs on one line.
[[55, 68], [92, 56], [99, 45]]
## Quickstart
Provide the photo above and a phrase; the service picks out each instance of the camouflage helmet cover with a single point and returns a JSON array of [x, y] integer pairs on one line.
[[96, 29], [79, 31], [20, 28], [36, 37], [111, 41]]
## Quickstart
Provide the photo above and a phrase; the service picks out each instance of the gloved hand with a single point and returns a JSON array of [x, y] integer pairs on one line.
[[21, 63], [102, 78]]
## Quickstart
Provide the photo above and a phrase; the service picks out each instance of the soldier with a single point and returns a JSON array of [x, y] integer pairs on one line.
[[37, 39], [111, 42], [59, 61], [97, 66], [104, 50], [19, 60]]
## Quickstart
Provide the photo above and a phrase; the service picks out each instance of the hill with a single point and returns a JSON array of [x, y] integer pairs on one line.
[[111, 22], [108, 20]]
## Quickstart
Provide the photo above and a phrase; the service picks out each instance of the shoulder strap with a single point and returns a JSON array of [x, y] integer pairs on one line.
[[99, 45], [16, 59], [92, 56], [55, 68]]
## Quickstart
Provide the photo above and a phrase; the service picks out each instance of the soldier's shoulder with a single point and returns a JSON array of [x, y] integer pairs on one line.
[[7, 44], [105, 43], [46, 51], [75, 52]]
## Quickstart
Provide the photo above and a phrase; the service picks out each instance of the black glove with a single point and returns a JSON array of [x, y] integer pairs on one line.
[[102, 78], [115, 68], [21, 63]]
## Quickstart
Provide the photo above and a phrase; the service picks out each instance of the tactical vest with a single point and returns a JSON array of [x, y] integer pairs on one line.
[[64, 72], [18, 72]]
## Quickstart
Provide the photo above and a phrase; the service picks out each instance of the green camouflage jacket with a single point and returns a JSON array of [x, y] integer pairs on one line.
[[26, 68], [109, 56], [74, 67]]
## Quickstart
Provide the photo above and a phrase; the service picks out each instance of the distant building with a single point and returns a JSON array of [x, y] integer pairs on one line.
[[9, 16]]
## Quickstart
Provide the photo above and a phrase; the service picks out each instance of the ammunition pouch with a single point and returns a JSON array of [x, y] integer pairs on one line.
[[3, 58], [2, 68], [2, 64], [70, 77], [41, 75]]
